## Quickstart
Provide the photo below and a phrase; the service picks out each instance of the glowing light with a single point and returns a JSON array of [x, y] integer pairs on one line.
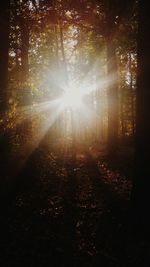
[[72, 98]]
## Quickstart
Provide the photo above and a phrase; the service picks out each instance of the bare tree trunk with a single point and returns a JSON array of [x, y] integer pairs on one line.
[[57, 46], [4, 46], [4, 134], [112, 95], [140, 195], [24, 50], [16, 47], [132, 96], [63, 51], [122, 117]]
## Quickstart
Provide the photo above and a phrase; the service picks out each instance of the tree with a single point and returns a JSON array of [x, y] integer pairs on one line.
[[4, 46], [114, 13], [140, 195], [112, 93]]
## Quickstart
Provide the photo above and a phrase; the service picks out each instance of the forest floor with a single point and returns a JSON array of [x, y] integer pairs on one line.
[[69, 209]]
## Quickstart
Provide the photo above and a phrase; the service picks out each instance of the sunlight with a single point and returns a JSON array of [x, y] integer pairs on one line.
[[72, 98]]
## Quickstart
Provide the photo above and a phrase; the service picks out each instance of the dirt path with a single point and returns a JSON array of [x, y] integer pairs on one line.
[[63, 214]]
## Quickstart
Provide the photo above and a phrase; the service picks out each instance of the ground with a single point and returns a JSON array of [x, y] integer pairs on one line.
[[68, 207]]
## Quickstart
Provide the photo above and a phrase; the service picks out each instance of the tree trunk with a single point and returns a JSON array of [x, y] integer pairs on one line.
[[4, 135], [140, 195], [122, 116], [16, 47], [4, 46], [132, 96], [57, 46], [24, 50], [122, 100], [63, 52], [112, 95]]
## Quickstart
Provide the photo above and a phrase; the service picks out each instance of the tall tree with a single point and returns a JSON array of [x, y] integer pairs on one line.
[[25, 32], [24, 49], [115, 12], [113, 117], [140, 196], [4, 46]]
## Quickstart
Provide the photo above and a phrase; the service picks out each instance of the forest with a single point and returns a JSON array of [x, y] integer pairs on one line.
[[74, 133]]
